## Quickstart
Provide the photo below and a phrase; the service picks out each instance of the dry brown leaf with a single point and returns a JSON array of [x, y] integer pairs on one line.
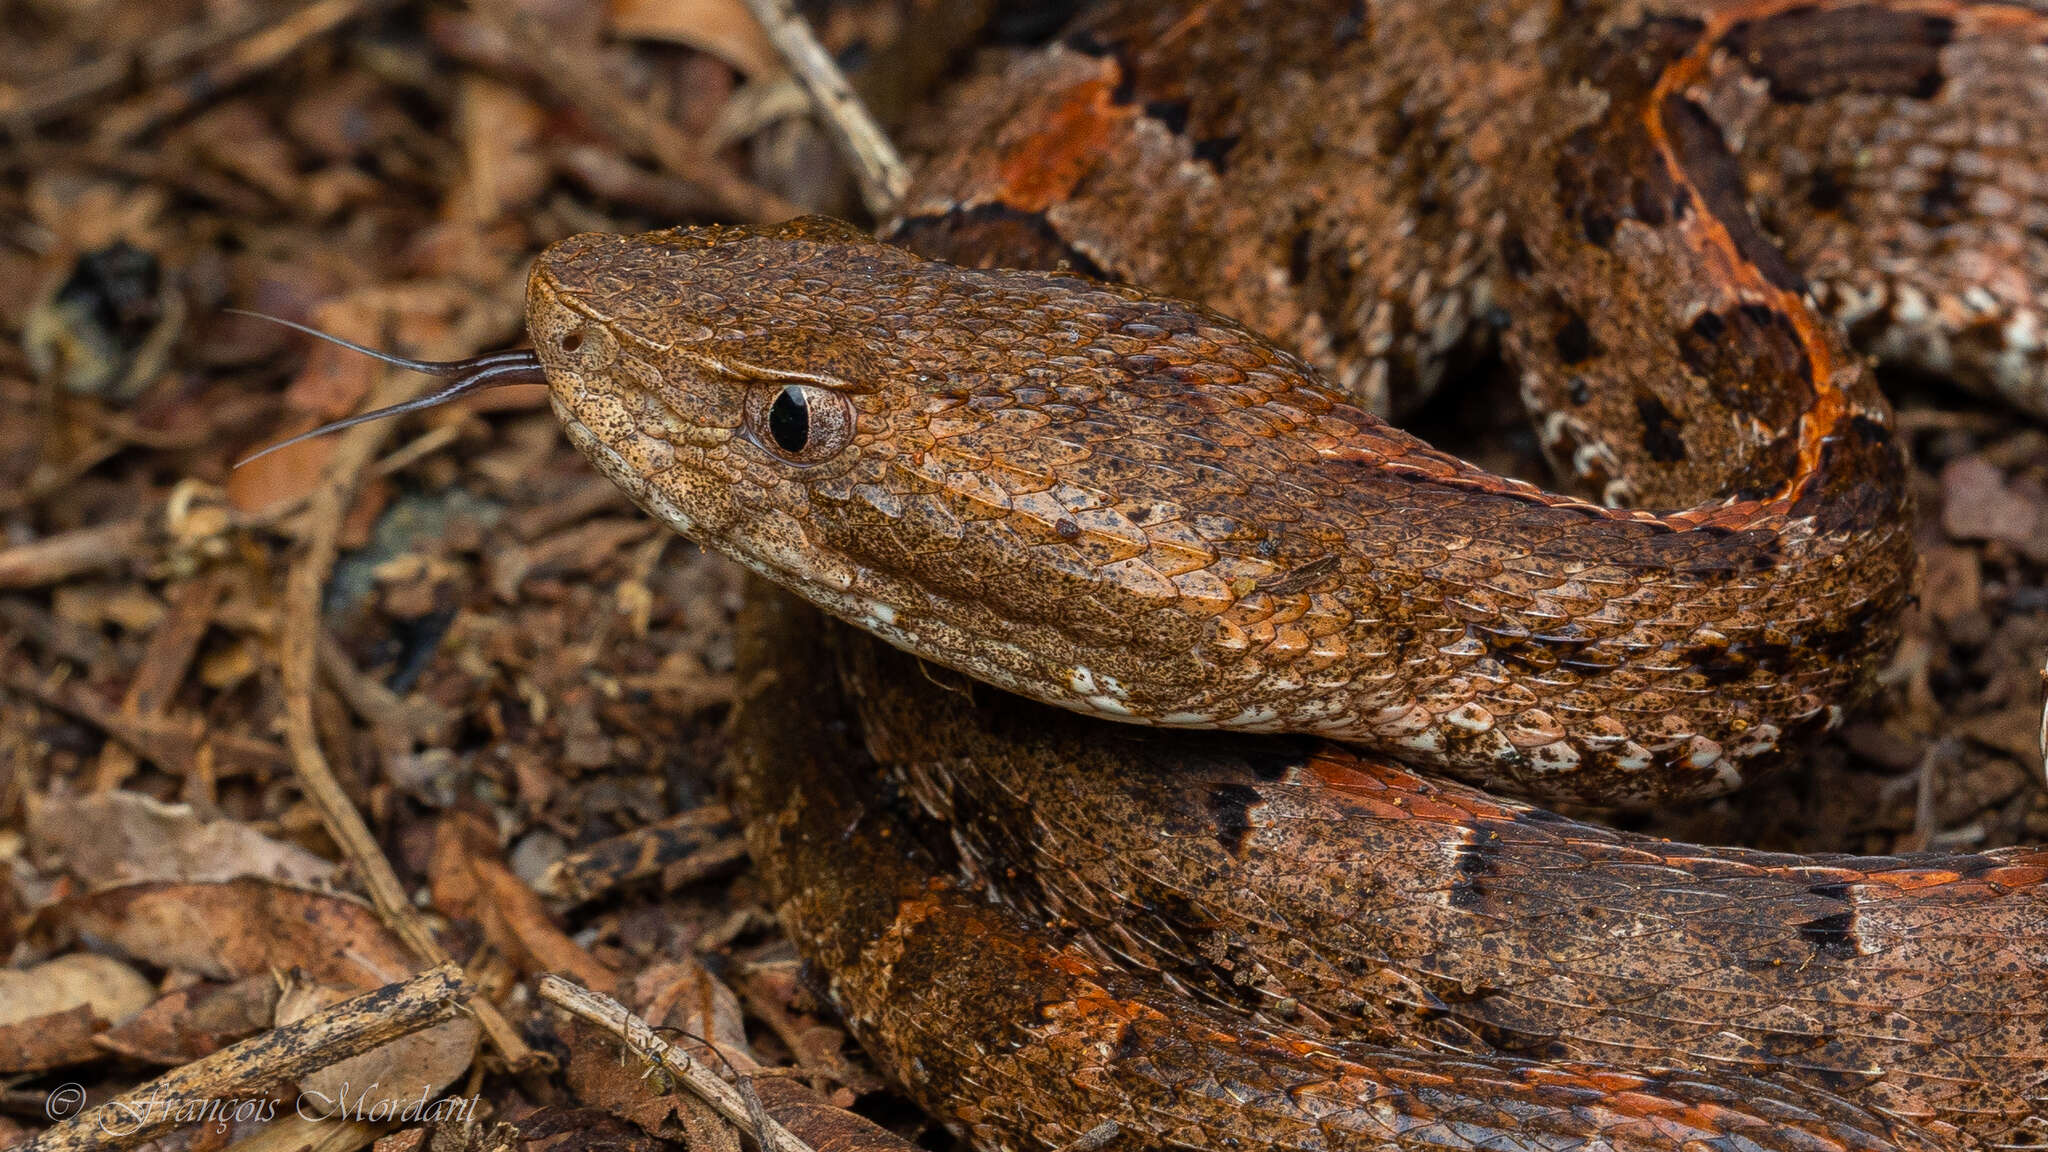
[[1951, 582], [404, 1140], [471, 882], [54, 1040], [345, 118], [687, 997], [113, 990], [291, 1132], [14, 876], [196, 1021], [243, 927], [1978, 504], [85, 214], [599, 1076], [549, 1128], [692, 1007], [283, 476], [503, 168], [50, 1013], [723, 28], [130, 606], [238, 137], [223, 669], [119, 837], [769, 990], [2014, 730]]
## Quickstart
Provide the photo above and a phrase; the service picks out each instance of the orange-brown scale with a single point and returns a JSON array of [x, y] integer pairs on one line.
[[1315, 265], [1018, 1037], [1130, 506], [1924, 239], [1329, 891], [669, 372]]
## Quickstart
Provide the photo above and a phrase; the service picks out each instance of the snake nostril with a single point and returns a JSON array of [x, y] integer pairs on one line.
[[571, 340]]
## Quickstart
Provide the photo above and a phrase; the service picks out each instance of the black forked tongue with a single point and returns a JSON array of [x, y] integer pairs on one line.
[[475, 374]]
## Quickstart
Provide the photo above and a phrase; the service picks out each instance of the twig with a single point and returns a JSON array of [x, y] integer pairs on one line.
[[157, 61], [164, 663], [296, 665], [419, 448], [882, 175], [592, 495], [579, 78], [262, 1064], [689, 1072], [56, 559], [700, 840], [396, 719], [172, 744], [2043, 735], [616, 177], [260, 52]]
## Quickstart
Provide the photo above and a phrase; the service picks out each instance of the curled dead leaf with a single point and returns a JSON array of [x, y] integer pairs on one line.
[[113, 990], [113, 838], [722, 28], [195, 1021], [226, 931], [54, 1040], [50, 1013], [471, 882]]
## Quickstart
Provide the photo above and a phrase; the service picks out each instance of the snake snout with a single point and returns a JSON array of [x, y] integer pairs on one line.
[[574, 347]]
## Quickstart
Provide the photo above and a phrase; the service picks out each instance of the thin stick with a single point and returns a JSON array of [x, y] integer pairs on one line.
[[169, 742], [172, 647], [262, 1064], [68, 555], [882, 175], [579, 78], [2044, 719], [261, 51], [689, 1072], [158, 60]]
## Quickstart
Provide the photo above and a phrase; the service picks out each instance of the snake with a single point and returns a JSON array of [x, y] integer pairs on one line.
[[1168, 813]]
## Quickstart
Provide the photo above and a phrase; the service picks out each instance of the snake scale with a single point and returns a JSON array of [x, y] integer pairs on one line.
[[1673, 217], [1129, 506]]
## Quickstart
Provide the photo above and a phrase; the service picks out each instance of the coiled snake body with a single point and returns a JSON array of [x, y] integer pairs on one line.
[[1126, 505]]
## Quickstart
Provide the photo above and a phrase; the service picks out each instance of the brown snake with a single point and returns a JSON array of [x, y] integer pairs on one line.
[[1130, 506]]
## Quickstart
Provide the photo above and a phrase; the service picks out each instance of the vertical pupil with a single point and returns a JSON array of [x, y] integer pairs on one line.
[[789, 420]]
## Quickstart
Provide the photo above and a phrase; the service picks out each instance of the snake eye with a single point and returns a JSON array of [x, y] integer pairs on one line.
[[801, 423], [789, 420]]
